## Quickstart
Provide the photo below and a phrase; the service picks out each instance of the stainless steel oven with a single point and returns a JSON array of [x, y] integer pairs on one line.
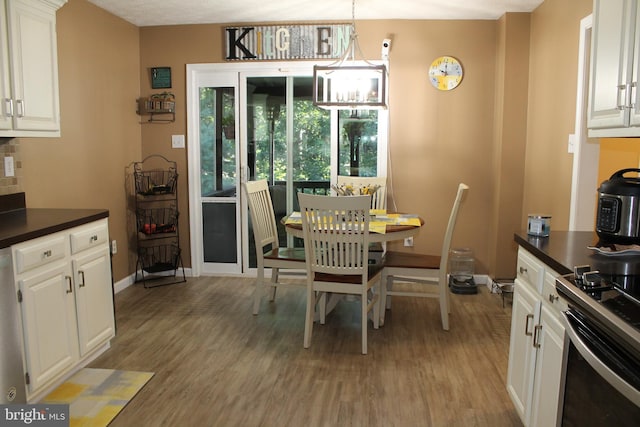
[[602, 374]]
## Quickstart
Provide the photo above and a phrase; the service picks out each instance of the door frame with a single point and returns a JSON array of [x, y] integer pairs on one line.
[[284, 69], [586, 152]]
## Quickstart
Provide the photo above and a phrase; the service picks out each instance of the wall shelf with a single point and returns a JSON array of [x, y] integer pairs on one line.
[[159, 109]]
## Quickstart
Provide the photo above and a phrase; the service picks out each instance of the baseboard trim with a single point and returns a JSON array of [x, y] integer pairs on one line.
[[129, 280]]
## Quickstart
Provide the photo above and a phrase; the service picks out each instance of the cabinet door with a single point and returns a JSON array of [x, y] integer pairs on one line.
[[34, 65], [548, 390], [611, 63], [94, 298], [5, 88], [634, 119], [525, 314], [49, 322]]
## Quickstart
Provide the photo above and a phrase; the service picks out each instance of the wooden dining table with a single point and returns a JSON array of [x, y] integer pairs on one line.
[[393, 231]]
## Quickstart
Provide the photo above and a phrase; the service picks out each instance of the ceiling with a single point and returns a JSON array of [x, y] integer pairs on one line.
[[144, 13]]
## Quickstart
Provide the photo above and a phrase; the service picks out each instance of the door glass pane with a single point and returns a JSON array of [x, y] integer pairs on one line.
[[267, 144], [311, 171], [218, 174], [281, 151], [358, 143], [217, 142]]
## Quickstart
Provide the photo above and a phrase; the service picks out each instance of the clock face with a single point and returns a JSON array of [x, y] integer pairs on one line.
[[445, 73]]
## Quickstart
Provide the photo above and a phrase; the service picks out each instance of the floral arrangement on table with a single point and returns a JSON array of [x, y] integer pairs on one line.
[[350, 190]]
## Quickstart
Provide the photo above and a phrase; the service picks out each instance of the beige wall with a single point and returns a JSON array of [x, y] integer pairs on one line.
[[555, 28], [509, 146], [437, 139], [473, 134], [98, 63]]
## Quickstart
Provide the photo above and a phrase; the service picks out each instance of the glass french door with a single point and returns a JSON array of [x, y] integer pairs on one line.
[[214, 172], [256, 121], [288, 144]]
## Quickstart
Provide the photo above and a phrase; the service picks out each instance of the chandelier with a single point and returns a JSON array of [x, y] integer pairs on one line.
[[348, 83]]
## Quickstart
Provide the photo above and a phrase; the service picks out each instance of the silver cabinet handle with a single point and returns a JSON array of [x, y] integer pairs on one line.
[[625, 103], [526, 324], [536, 336], [20, 107], [9, 106], [69, 286]]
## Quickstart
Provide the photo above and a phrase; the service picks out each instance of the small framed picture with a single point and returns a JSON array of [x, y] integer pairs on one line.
[[160, 77]]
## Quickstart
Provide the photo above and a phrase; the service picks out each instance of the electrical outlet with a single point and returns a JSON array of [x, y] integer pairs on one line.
[[114, 247], [9, 169], [408, 241]]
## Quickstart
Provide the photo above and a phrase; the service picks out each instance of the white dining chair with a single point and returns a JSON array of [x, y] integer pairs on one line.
[[379, 198], [378, 201], [428, 271], [336, 241], [269, 254]]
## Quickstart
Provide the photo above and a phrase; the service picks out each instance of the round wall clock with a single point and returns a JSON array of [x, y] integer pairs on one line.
[[445, 73]]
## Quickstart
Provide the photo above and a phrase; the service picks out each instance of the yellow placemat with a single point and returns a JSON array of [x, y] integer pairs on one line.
[[378, 227]]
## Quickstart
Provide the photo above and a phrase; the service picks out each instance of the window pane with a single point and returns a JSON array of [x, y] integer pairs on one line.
[[217, 142], [358, 143]]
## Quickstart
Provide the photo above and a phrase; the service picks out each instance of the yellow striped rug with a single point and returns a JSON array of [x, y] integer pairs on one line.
[[96, 396]]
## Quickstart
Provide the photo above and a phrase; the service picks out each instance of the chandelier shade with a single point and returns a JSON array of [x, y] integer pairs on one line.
[[349, 84]]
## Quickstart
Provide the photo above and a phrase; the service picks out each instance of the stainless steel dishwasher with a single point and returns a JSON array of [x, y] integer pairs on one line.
[[12, 387]]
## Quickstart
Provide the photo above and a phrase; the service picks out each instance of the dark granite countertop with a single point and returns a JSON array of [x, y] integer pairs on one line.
[[19, 223], [563, 250]]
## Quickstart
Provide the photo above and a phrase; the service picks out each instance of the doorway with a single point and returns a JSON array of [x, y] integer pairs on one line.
[[255, 121]]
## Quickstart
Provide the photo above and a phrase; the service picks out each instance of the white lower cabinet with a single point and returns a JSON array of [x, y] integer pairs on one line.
[[93, 287], [66, 301], [537, 348], [48, 320]]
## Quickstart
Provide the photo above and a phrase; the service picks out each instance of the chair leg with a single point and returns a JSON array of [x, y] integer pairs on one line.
[[388, 284], [364, 320], [257, 292], [322, 303], [444, 305], [377, 301], [275, 273], [308, 321]]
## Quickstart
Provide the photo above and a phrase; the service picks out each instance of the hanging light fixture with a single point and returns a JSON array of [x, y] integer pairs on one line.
[[349, 84]]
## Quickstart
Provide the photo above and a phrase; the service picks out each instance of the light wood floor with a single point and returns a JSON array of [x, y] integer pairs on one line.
[[216, 364]]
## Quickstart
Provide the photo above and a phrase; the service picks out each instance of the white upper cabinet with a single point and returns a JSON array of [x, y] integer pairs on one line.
[[614, 107], [30, 103]]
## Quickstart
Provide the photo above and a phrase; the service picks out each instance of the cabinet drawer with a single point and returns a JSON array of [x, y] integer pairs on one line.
[[38, 252], [89, 236], [550, 294], [530, 270]]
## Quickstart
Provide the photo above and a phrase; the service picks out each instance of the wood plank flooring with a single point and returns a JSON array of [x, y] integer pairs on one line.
[[216, 364]]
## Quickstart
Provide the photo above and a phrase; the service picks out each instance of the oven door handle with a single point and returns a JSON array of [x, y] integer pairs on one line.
[[601, 368]]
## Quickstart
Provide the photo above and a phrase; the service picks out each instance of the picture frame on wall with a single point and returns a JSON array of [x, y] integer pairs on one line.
[[160, 77]]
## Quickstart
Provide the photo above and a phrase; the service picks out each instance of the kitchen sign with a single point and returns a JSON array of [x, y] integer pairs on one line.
[[263, 42]]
